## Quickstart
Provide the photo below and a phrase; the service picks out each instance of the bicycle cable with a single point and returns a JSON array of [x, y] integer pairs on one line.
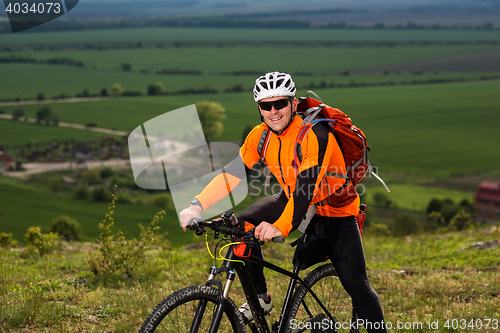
[[220, 251]]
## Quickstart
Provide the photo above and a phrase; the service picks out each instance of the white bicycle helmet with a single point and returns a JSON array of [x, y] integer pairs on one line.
[[273, 84]]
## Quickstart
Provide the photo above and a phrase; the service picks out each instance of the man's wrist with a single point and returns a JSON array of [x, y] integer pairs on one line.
[[196, 202]]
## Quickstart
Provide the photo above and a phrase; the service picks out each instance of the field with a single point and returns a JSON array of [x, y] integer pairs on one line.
[[427, 100], [415, 126], [420, 279]]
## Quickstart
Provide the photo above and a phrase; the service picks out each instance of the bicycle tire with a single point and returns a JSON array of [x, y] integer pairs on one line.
[[176, 312], [325, 283]]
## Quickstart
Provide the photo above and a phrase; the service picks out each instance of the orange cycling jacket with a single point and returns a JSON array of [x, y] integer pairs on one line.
[[318, 179]]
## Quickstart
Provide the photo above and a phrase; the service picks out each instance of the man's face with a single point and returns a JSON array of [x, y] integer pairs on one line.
[[278, 117]]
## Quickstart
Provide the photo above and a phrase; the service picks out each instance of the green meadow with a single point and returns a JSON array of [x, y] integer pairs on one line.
[[245, 35], [433, 134], [444, 129], [429, 125]]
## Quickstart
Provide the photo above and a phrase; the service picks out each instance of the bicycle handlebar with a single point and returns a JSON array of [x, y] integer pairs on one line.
[[225, 227]]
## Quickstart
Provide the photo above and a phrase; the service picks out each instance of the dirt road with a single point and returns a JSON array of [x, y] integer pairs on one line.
[[33, 168]]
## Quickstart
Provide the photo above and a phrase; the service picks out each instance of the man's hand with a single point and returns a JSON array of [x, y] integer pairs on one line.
[[193, 211], [266, 231]]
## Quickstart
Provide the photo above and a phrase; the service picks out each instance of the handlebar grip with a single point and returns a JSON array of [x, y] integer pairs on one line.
[[279, 239], [191, 224]]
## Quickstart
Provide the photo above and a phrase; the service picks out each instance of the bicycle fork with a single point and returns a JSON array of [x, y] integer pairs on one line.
[[219, 311]]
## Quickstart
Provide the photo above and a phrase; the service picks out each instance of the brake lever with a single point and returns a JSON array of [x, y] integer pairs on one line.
[[194, 225]]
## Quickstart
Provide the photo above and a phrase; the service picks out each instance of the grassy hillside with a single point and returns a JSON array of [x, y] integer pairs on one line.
[[25, 205], [420, 279]]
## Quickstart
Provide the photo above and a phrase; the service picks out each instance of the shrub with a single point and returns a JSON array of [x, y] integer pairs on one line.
[[7, 240], [67, 228], [382, 200], [462, 220], [43, 243], [107, 172], [101, 193], [406, 224], [55, 183], [116, 253], [379, 229], [91, 176], [163, 200], [124, 197], [81, 192]]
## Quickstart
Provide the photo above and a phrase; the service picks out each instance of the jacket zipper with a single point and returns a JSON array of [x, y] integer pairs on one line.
[[281, 168]]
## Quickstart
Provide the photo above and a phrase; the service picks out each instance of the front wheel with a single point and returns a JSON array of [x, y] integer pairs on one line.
[[306, 315], [191, 310]]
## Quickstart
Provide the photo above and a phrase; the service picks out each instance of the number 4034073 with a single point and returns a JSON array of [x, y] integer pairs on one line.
[[35, 8], [471, 324]]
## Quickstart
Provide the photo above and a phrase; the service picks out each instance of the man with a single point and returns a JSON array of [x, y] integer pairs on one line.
[[316, 179]]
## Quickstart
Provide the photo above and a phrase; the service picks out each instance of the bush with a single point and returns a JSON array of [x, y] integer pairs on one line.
[[43, 243], [56, 183], [81, 192], [101, 193], [67, 228], [118, 255], [163, 200], [91, 176], [382, 200], [462, 220], [7, 240], [379, 229], [124, 197], [406, 224]]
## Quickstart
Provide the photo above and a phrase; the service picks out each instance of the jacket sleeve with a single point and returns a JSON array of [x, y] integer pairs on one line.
[[232, 173], [319, 150]]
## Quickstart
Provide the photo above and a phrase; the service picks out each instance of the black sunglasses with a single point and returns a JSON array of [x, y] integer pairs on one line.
[[278, 105]]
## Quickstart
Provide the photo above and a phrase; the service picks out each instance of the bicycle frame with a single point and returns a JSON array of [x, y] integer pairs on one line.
[[234, 265]]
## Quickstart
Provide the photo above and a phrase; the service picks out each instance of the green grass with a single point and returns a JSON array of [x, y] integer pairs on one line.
[[239, 35], [20, 132], [414, 197], [423, 279], [212, 60], [24, 206], [320, 63], [444, 129]]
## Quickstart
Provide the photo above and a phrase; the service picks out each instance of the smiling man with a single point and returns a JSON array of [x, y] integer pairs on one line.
[[314, 180]]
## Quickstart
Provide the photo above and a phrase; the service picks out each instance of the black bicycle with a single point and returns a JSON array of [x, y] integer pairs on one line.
[[317, 303]]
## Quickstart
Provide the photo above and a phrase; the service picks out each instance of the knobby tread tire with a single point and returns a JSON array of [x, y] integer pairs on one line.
[[311, 280], [189, 294]]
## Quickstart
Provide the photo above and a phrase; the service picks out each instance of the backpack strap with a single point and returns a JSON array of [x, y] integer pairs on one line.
[[263, 143], [261, 150]]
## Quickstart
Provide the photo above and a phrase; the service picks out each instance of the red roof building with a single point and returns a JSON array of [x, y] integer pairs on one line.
[[487, 202], [6, 162]]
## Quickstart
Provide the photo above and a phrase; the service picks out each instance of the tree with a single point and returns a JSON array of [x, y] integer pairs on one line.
[[54, 118], [43, 115], [117, 90], [17, 114], [126, 67], [156, 88], [211, 115]]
